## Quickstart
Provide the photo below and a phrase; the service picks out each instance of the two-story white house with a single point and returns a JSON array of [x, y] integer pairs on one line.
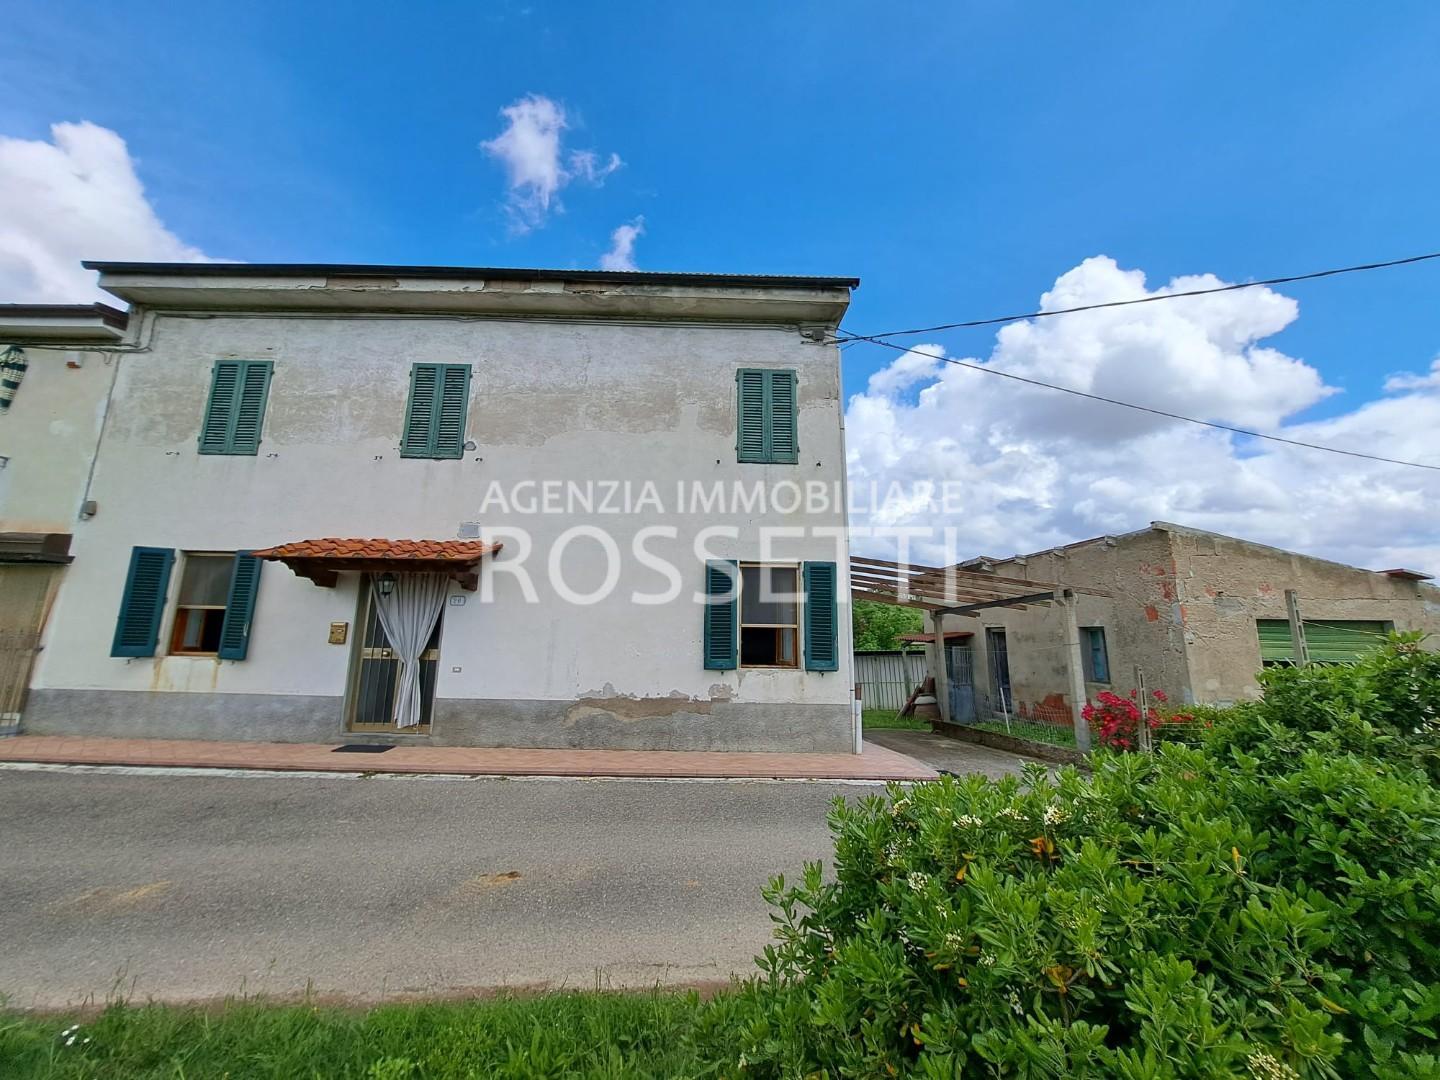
[[460, 506]]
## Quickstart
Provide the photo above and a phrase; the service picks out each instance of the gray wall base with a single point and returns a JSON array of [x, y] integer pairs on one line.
[[595, 724], [155, 714], [645, 724]]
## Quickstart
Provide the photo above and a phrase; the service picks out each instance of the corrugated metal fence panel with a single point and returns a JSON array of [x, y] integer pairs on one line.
[[1336, 642], [887, 678]]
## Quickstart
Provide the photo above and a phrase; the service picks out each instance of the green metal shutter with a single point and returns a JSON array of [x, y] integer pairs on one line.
[[822, 618], [240, 606], [220, 409], [722, 631], [1275, 643], [750, 426], [784, 448], [1342, 642], [1336, 642], [417, 440], [143, 601], [450, 418], [250, 407]]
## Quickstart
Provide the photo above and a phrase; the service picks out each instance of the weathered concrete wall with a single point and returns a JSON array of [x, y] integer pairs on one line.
[[550, 400], [1141, 619], [1182, 610], [1226, 584], [49, 435]]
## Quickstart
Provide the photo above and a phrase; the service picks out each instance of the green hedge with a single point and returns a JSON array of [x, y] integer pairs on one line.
[[1259, 898]]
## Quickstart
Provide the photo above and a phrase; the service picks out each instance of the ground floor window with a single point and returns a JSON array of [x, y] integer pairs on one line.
[[769, 615], [1094, 653], [200, 609]]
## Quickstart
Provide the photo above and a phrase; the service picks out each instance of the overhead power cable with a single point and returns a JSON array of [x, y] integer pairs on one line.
[[1148, 409], [997, 320]]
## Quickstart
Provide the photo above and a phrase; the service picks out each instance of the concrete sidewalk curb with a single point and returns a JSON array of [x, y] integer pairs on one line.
[[876, 763]]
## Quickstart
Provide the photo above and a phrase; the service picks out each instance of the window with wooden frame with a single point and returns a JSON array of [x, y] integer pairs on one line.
[[769, 615], [200, 609]]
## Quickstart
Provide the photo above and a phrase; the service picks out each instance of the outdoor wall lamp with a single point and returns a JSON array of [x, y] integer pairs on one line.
[[386, 584]]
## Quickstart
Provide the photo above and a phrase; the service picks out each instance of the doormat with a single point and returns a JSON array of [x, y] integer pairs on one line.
[[361, 748]]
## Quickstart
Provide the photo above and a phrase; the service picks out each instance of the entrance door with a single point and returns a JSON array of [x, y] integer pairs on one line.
[[375, 673], [999, 668], [960, 666], [24, 594]]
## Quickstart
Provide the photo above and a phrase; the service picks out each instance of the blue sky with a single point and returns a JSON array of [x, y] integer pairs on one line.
[[959, 160]]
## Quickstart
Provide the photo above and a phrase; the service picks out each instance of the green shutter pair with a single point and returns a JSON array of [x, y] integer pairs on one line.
[[236, 409], [722, 616], [435, 415], [143, 603], [766, 428]]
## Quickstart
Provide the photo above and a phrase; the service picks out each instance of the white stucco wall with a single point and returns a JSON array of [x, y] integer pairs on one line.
[[550, 400], [49, 435]]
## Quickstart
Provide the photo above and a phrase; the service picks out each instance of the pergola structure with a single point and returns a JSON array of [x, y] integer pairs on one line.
[[949, 590], [957, 590]]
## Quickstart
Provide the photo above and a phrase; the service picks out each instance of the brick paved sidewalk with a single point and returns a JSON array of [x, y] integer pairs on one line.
[[876, 763]]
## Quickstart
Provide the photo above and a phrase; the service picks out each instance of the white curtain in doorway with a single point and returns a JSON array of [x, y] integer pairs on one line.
[[408, 616]]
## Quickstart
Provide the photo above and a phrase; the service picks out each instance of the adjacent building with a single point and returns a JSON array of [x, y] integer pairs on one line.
[[1191, 613], [460, 506], [53, 392]]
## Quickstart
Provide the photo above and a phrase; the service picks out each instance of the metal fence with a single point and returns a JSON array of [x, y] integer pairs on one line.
[[887, 678], [1036, 721]]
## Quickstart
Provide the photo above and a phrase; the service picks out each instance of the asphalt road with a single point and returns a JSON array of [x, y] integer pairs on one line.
[[189, 887]]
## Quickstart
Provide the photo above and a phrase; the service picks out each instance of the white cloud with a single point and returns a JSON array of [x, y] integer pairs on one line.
[[1035, 467], [75, 197], [621, 255], [537, 165]]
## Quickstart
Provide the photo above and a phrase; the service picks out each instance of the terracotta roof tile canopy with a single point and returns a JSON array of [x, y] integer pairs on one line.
[[323, 560]]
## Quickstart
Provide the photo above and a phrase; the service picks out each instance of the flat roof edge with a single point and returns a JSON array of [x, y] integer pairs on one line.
[[619, 277]]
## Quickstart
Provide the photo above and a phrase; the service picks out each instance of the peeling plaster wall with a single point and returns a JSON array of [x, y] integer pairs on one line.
[[49, 435], [1182, 609], [1140, 617], [1227, 584], [550, 400]]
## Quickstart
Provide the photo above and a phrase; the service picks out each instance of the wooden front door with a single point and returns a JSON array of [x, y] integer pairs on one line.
[[24, 599], [375, 674]]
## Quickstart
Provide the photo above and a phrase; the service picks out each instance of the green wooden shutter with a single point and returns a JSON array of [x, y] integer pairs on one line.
[[420, 410], [240, 606], [224, 389], [722, 631], [143, 601], [822, 618], [435, 416], [784, 448], [250, 407], [236, 408], [750, 425], [766, 417], [450, 418]]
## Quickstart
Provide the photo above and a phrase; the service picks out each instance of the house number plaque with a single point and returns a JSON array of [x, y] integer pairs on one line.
[[339, 631]]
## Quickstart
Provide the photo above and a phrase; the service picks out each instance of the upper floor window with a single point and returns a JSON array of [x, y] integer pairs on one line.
[[236, 409], [435, 415], [767, 417]]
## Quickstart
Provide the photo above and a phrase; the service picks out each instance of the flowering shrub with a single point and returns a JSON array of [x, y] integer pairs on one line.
[[1116, 721], [1262, 904]]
